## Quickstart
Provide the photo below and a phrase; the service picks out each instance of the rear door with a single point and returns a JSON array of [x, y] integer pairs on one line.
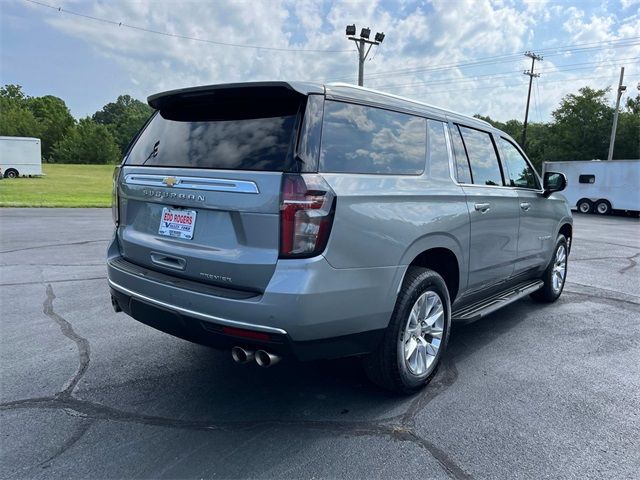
[[200, 188], [493, 209], [538, 219]]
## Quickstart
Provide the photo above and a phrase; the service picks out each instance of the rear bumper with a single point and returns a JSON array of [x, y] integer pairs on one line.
[[309, 308], [215, 335]]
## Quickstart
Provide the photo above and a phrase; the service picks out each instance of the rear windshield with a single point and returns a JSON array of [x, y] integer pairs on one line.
[[235, 132]]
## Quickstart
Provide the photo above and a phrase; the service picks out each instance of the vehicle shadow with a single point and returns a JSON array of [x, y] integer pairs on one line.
[[214, 389]]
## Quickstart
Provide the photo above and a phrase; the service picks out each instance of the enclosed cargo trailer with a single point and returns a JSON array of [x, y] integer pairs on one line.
[[20, 157], [600, 186]]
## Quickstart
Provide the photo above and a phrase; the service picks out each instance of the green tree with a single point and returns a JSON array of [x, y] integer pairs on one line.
[[124, 118], [54, 118], [581, 127], [87, 142], [16, 119], [633, 103], [12, 92], [628, 133]]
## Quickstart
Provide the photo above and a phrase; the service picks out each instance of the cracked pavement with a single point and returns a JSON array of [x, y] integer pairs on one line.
[[531, 391]]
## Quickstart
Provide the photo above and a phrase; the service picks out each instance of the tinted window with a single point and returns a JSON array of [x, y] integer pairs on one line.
[[358, 139], [482, 157], [438, 156], [587, 179], [216, 135], [463, 174], [520, 173]]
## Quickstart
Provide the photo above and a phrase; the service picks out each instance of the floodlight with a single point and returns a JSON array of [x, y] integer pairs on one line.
[[365, 32], [351, 29], [379, 37]]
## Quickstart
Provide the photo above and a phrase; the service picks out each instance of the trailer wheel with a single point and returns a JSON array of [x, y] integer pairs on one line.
[[585, 205], [11, 173], [603, 207]]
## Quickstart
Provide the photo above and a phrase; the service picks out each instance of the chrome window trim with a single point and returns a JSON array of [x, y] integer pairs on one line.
[[452, 166], [193, 313], [527, 161], [193, 183]]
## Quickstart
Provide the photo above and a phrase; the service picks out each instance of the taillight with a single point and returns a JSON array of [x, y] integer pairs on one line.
[[306, 215], [115, 201]]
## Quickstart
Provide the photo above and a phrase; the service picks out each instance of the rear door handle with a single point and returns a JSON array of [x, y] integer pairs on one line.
[[482, 207], [525, 206]]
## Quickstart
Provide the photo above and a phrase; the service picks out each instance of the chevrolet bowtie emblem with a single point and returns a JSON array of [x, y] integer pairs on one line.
[[170, 181]]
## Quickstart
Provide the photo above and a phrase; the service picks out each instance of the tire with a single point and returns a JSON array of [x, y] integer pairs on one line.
[[585, 206], [11, 173], [603, 207], [387, 366], [551, 291]]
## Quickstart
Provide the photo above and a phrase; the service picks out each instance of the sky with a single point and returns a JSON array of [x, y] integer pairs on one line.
[[465, 55]]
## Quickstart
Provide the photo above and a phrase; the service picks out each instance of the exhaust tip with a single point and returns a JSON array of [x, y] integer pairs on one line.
[[115, 305], [241, 355], [266, 359]]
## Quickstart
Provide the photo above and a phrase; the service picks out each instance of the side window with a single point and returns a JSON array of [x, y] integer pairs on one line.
[[438, 156], [587, 179], [463, 173], [520, 173], [359, 139], [482, 157]]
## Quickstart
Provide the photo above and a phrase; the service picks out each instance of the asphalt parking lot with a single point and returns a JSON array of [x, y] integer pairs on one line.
[[532, 391]]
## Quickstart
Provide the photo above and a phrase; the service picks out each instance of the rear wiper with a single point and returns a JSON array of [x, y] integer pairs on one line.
[[154, 152]]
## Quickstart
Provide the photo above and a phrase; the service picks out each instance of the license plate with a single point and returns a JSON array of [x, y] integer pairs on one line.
[[177, 223]]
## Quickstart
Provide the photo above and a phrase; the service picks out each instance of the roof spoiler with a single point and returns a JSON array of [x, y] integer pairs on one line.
[[162, 100]]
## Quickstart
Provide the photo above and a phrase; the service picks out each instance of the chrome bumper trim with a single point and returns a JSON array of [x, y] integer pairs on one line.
[[192, 183], [193, 313]]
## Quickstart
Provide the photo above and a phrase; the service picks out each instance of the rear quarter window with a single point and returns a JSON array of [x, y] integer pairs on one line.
[[361, 139]]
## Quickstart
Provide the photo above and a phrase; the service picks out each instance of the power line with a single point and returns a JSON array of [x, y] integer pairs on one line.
[[511, 57], [537, 100], [518, 85], [510, 73], [176, 35]]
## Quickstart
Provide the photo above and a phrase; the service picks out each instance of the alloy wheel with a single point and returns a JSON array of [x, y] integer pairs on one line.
[[423, 332], [559, 269]]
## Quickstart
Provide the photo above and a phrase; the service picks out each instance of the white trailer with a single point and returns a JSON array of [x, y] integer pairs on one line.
[[600, 186], [20, 157]]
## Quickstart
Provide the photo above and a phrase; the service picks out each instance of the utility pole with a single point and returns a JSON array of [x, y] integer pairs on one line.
[[621, 89], [361, 45], [531, 74]]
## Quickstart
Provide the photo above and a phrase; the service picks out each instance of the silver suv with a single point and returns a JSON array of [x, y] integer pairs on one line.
[[321, 221]]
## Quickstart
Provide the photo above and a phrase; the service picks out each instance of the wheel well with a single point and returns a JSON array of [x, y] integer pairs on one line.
[[444, 262], [582, 200], [567, 231]]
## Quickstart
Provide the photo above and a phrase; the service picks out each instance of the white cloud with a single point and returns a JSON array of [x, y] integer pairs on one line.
[[441, 32]]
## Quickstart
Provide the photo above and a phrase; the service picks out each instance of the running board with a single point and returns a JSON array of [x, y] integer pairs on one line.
[[484, 307]]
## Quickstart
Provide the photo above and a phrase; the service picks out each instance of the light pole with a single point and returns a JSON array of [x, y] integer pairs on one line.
[[621, 89], [360, 44]]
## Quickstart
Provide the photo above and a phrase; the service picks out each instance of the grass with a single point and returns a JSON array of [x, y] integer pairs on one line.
[[62, 186]]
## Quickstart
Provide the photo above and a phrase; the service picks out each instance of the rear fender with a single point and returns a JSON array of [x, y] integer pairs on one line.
[[435, 240]]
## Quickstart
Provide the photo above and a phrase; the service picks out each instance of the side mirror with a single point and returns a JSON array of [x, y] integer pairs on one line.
[[554, 182]]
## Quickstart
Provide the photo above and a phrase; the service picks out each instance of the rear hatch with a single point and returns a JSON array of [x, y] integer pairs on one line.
[[199, 194]]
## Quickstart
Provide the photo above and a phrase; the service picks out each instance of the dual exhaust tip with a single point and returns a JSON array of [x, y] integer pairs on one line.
[[261, 357]]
